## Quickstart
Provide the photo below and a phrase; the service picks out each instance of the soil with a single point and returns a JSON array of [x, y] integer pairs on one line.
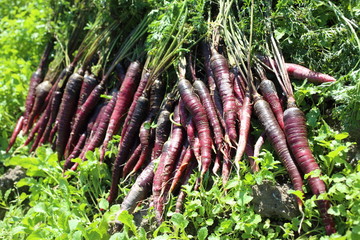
[[8, 181], [273, 201]]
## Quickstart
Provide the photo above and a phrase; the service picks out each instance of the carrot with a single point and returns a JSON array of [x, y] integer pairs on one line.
[[139, 190], [75, 153], [87, 86], [300, 72], [222, 77], [238, 90], [130, 163], [186, 157], [36, 128], [16, 132], [172, 154], [163, 128], [217, 163], [296, 134], [35, 80], [157, 183], [198, 113], [146, 133], [277, 139], [226, 167], [124, 99], [139, 91], [205, 50], [83, 113], [41, 92], [42, 126], [55, 104], [245, 118], [203, 93], [249, 150], [268, 91], [126, 142], [104, 118], [182, 194], [66, 112]]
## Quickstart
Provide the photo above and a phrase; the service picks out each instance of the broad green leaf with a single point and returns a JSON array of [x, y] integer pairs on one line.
[[179, 220], [202, 233]]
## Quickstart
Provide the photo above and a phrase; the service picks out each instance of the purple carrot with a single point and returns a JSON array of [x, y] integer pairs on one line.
[[126, 142], [83, 113], [268, 91], [244, 130], [35, 80], [131, 162], [139, 190], [220, 69], [55, 104], [124, 99], [16, 132], [41, 92], [100, 130], [139, 91], [198, 113], [163, 128], [203, 93], [186, 157], [75, 153], [87, 86], [66, 112], [277, 139]]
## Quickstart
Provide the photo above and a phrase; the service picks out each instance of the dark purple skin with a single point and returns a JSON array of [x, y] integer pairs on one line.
[[221, 72], [130, 163], [41, 92], [185, 180], [124, 99], [186, 156], [87, 86], [205, 50], [125, 144], [41, 123], [277, 139], [296, 135], [203, 93], [16, 132], [43, 95], [66, 112], [139, 190], [196, 109], [55, 104], [36, 79], [168, 163], [44, 119], [268, 91], [157, 92], [162, 131], [83, 113], [139, 91], [100, 130], [76, 152]]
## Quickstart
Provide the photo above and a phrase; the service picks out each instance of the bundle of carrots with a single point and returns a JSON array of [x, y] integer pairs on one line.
[[171, 126]]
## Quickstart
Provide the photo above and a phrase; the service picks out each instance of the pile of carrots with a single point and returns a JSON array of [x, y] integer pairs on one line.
[[200, 119]]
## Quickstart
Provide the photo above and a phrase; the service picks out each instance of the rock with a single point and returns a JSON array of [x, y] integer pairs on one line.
[[9, 178], [274, 201]]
